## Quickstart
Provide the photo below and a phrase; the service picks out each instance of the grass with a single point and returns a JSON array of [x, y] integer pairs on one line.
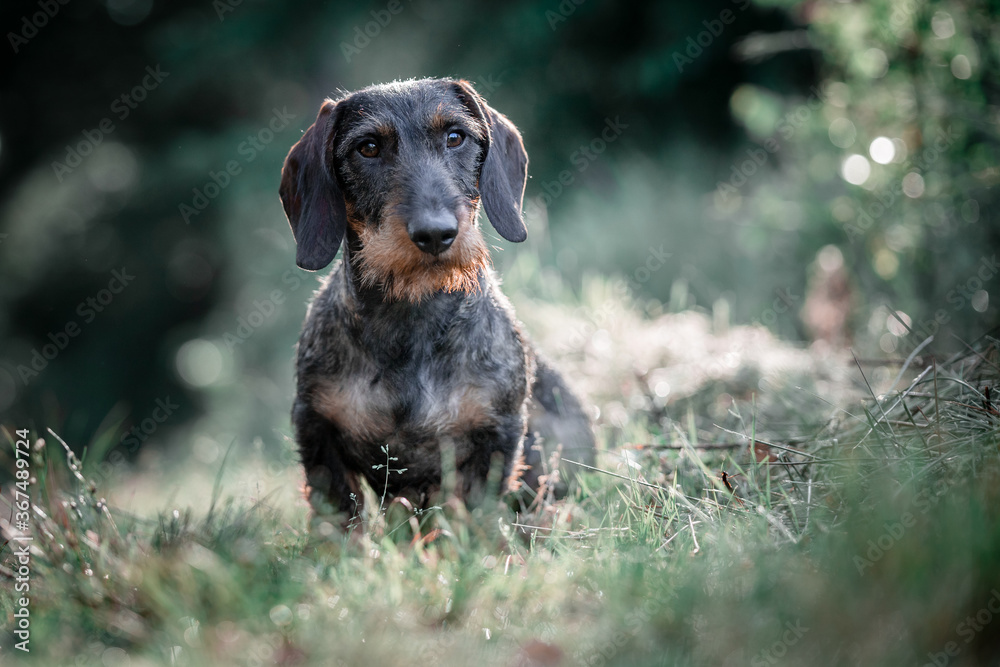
[[863, 535]]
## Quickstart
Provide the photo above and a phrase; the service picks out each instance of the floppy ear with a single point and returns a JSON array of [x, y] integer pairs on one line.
[[309, 192], [504, 168]]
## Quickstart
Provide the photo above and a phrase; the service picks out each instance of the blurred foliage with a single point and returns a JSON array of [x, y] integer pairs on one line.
[[210, 319], [897, 166]]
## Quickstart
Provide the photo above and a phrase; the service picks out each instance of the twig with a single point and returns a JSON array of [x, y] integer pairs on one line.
[[937, 408], [870, 391], [976, 352], [674, 493], [809, 495], [719, 445], [927, 341], [769, 444], [889, 362]]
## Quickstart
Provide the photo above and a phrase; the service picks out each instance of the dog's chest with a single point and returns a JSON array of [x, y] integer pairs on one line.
[[430, 381], [412, 402], [452, 370]]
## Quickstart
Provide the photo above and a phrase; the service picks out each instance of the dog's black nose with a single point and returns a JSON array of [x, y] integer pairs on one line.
[[433, 233]]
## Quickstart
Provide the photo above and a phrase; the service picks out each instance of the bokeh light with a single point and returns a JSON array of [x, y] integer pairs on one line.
[[913, 185], [199, 362], [898, 324], [942, 25], [855, 169], [882, 150], [980, 301], [886, 263], [842, 133], [875, 63], [961, 67]]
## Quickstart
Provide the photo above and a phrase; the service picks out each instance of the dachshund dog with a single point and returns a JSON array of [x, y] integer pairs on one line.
[[411, 357]]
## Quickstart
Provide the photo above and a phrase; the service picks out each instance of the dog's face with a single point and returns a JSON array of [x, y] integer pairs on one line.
[[403, 167]]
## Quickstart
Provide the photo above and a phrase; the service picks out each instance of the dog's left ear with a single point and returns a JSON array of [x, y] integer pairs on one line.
[[504, 169], [310, 195]]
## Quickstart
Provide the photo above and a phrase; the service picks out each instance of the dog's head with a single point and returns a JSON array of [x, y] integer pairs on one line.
[[402, 167]]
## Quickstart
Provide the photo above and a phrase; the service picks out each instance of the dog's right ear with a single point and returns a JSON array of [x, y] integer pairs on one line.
[[310, 195]]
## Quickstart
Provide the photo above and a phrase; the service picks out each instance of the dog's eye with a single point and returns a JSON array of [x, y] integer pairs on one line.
[[368, 148], [455, 138]]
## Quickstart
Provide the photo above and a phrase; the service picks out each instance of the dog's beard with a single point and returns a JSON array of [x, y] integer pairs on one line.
[[390, 261]]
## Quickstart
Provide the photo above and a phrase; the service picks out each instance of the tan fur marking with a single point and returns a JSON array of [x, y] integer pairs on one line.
[[460, 411], [355, 408], [439, 122], [390, 260], [474, 408]]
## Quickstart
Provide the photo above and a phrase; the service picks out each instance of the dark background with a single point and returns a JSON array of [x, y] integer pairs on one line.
[[695, 87]]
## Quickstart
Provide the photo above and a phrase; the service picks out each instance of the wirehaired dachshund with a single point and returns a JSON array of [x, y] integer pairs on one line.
[[411, 361]]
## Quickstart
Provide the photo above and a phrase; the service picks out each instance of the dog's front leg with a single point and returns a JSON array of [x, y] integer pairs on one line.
[[331, 489], [497, 447]]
